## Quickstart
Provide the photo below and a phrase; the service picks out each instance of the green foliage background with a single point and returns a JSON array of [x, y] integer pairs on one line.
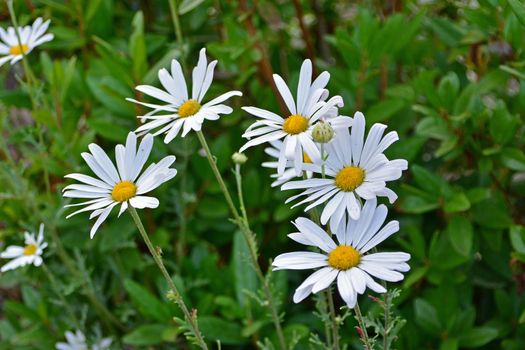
[[448, 76]]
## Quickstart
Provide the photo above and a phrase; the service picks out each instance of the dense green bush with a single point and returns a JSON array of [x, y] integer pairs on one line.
[[446, 75]]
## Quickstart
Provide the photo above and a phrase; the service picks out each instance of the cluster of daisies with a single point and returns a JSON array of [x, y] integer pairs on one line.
[[339, 172]]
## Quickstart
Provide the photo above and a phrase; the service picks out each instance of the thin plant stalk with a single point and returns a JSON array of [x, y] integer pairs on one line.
[[56, 289], [174, 9], [333, 317], [362, 326], [190, 318], [249, 238], [238, 180]]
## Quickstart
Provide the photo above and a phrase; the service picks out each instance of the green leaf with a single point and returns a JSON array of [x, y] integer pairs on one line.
[[519, 10], [219, 329], [137, 46], [458, 202], [188, 5], [384, 110], [517, 238], [513, 158], [427, 181], [461, 234], [477, 336], [245, 277], [149, 334], [427, 317], [492, 213], [148, 304]]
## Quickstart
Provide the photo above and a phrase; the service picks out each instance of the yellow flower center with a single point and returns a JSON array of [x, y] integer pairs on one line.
[[349, 178], [344, 257], [123, 191], [30, 249], [306, 159], [295, 124], [189, 108], [18, 49]]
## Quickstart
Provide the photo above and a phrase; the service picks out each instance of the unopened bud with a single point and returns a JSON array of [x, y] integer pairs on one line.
[[322, 132], [239, 158]]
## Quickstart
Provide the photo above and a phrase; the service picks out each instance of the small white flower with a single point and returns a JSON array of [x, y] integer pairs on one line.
[[77, 341], [348, 261], [31, 253], [30, 37], [289, 170], [123, 186], [296, 129], [182, 112], [353, 168]]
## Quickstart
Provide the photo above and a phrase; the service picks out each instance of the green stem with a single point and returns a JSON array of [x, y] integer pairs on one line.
[[333, 324], [364, 337], [190, 318], [249, 238], [174, 9], [238, 180], [56, 288]]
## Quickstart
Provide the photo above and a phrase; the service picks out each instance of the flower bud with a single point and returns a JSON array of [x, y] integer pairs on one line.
[[239, 158], [322, 132]]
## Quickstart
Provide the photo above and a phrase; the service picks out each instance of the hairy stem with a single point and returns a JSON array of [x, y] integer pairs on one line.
[[249, 238], [364, 334], [190, 318]]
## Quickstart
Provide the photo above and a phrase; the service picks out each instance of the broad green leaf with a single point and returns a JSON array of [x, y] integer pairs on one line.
[[149, 305], [456, 203], [227, 332], [148, 334], [188, 5], [477, 336], [245, 277], [427, 317], [460, 234], [519, 10]]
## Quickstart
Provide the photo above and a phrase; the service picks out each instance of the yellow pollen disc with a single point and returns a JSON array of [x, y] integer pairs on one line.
[[189, 108], [306, 159], [30, 249], [344, 257], [295, 124], [349, 178], [18, 49], [123, 191]]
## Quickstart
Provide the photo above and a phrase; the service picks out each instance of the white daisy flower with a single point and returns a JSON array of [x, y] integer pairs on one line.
[[289, 171], [296, 129], [30, 37], [352, 168], [347, 261], [180, 111], [121, 185], [31, 253], [77, 341]]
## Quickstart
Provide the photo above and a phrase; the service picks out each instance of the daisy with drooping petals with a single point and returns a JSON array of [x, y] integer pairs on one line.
[[179, 111], [30, 37], [354, 169], [77, 341], [289, 172], [31, 253], [347, 261], [296, 129], [121, 185]]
